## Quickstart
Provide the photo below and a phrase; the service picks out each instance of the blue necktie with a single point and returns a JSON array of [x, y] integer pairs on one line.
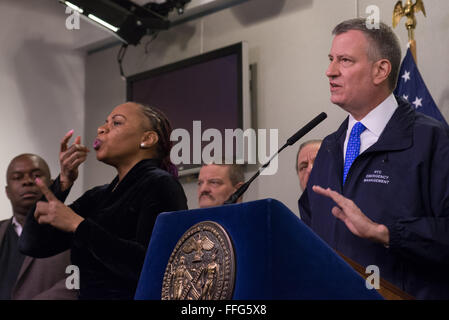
[[353, 148]]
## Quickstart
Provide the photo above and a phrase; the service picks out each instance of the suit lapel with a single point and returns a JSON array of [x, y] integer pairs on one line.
[[25, 265], [398, 133], [27, 261], [3, 227]]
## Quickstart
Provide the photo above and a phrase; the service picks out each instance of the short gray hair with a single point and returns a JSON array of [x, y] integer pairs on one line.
[[383, 44], [314, 141], [236, 171]]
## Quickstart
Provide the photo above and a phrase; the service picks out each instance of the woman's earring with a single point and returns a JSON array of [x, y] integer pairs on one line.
[[142, 145]]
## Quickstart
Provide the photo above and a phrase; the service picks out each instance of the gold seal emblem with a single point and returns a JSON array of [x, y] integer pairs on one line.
[[201, 266]]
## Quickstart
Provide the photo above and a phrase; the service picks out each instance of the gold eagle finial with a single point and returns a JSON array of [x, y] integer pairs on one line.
[[409, 11]]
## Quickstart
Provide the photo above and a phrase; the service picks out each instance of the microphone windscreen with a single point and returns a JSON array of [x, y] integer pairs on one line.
[[308, 127]]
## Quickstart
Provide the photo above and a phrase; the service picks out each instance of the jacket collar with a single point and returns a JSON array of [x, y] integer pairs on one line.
[[397, 135], [133, 175]]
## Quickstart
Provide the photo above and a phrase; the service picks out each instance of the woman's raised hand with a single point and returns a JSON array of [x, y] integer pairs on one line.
[[70, 159], [54, 212]]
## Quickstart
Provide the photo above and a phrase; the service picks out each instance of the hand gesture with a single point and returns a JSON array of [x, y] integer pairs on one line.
[[70, 159], [54, 212], [356, 221]]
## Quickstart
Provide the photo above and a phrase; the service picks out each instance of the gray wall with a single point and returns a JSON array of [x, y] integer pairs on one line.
[[48, 86], [42, 83], [289, 41]]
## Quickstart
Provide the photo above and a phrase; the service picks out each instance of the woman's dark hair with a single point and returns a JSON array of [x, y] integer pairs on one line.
[[160, 124]]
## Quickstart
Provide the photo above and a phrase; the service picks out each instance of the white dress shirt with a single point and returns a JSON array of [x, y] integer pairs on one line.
[[374, 122], [17, 227]]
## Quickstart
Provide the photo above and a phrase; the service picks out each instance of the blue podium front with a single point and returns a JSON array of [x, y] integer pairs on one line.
[[276, 255]]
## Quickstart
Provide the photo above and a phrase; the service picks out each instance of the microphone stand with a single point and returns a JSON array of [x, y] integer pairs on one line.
[[298, 135]]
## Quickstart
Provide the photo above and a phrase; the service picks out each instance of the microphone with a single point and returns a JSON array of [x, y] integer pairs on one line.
[[290, 141]]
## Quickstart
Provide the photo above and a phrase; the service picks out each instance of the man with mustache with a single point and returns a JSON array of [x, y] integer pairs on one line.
[[217, 182], [23, 277]]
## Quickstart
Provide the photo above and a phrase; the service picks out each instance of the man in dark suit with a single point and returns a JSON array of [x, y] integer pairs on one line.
[[23, 277]]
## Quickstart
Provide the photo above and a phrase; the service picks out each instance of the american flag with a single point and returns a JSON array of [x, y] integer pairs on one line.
[[412, 88]]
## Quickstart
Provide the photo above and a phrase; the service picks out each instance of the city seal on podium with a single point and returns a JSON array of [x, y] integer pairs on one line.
[[201, 266]]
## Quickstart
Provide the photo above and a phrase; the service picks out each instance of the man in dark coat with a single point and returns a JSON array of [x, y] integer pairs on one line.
[[384, 173]]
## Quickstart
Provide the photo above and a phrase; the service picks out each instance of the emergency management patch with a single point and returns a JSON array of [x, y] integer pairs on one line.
[[378, 176]]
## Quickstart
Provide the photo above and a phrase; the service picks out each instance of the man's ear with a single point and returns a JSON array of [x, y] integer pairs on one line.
[[7, 192], [238, 185], [149, 139], [381, 71]]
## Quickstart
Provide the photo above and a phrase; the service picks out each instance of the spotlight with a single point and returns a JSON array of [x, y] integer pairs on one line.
[[166, 7], [126, 20], [103, 23]]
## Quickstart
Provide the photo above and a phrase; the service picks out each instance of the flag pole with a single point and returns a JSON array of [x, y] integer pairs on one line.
[[412, 44], [409, 11]]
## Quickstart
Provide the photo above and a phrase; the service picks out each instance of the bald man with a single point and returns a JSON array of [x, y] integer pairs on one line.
[[304, 160], [23, 277]]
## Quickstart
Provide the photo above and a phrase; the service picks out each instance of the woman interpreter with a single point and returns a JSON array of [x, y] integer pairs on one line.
[[109, 227]]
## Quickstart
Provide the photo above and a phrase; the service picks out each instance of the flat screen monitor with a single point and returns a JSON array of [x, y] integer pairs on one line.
[[208, 91]]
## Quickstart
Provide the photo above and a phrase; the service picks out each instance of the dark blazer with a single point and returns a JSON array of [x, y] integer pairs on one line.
[[41, 279]]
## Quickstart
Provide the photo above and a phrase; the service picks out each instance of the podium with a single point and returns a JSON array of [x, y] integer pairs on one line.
[[276, 255]]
